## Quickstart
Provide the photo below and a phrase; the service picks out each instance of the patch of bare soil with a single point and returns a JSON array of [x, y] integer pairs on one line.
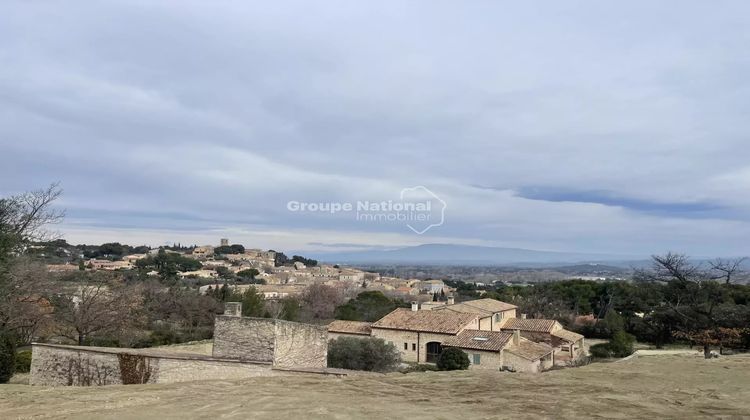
[[670, 386]]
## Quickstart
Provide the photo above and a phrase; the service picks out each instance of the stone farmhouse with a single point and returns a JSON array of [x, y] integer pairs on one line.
[[486, 329], [501, 316], [340, 328], [204, 251], [547, 331], [491, 312], [495, 350], [419, 335], [108, 265]]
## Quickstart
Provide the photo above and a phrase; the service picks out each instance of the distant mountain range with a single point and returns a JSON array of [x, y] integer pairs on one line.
[[449, 254]]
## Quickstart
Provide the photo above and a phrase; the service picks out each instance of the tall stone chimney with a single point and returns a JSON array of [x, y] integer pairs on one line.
[[414, 306], [233, 309], [451, 301], [516, 337]]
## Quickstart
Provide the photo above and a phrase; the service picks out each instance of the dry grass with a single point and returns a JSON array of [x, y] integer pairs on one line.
[[643, 387]]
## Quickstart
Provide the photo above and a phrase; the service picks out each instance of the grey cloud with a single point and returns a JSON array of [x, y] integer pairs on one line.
[[213, 116]]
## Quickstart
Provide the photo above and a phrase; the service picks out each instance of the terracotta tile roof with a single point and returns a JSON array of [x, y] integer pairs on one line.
[[481, 306], [479, 340], [350, 327], [529, 350], [532, 325], [568, 336], [445, 322]]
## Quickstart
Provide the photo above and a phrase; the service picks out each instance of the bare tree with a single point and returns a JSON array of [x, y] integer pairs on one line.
[[727, 269], [286, 308], [95, 305], [23, 218], [675, 267], [24, 308], [274, 309], [321, 301], [188, 309]]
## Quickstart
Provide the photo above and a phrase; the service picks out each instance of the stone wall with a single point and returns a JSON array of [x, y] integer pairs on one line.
[[335, 335], [488, 360], [519, 364], [285, 344], [398, 338], [300, 345], [56, 365], [176, 370], [244, 338]]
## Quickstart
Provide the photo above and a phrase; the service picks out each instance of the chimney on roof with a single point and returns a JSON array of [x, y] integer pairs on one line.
[[233, 309], [523, 316], [414, 306], [450, 300], [516, 337]]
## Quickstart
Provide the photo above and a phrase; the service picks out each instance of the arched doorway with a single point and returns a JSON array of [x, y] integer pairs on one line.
[[433, 351]]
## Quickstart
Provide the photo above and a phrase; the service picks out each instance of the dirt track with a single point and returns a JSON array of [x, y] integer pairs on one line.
[[655, 386]]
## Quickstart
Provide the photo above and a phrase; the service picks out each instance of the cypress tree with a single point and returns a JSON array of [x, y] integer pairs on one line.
[[7, 356]]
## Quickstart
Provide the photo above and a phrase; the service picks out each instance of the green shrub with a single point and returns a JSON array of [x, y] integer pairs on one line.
[[600, 351], [453, 358], [371, 354], [7, 356], [621, 344], [23, 361], [419, 368]]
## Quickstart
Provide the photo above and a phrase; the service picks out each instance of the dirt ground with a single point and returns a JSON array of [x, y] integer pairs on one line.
[[668, 386]]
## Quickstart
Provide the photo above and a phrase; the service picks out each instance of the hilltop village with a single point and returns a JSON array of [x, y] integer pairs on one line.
[[271, 273]]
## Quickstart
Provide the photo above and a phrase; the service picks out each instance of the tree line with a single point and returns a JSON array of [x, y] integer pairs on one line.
[[676, 299]]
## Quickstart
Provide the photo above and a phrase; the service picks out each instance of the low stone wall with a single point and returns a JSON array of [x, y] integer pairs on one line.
[[56, 365], [519, 364]]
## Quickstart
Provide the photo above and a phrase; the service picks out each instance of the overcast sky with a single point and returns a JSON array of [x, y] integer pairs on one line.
[[617, 127]]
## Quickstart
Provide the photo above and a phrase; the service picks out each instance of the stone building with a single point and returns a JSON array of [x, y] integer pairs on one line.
[[495, 315], [486, 329], [358, 329], [491, 312], [419, 335], [97, 264], [203, 251], [494, 350], [432, 286], [547, 331]]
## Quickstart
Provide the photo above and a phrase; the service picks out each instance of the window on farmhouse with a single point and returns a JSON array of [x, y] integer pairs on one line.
[[497, 317], [477, 358], [406, 346], [413, 346]]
